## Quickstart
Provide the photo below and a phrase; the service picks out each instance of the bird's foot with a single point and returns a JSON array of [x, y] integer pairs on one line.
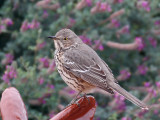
[[85, 97], [73, 102]]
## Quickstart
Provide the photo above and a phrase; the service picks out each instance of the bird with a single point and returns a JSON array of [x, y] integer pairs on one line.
[[83, 70]]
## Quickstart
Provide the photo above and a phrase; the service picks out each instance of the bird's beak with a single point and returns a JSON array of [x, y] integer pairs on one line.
[[53, 37]]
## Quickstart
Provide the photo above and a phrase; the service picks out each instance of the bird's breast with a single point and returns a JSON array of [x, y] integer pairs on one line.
[[71, 80]]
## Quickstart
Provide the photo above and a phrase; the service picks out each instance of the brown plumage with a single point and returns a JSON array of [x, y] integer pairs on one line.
[[82, 69]]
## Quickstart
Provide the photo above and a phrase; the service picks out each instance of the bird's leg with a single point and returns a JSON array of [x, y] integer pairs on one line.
[[85, 97], [75, 98]]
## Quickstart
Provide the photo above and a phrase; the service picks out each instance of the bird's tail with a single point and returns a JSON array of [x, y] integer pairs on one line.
[[128, 96]]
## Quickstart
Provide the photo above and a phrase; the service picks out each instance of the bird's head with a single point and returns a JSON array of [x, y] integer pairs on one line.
[[65, 38]]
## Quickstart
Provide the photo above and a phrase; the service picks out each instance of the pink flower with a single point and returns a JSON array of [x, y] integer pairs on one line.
[[145, 5], [86, 40], [101, 7], [98, 45], [41, 80], [125, 74], [142, 113], [158, 84], [7, 21], [51, 114], [126, 118], [140, 43], [157, 23], [152, 41], [72, 21], [152, 91], [120, 102], [34, 24], [9, 74], [45, 14], [8, 59], [42, 100], [44, 62], [105, 7], [147, 84], [115, 23], [150, 88], [2, 28], [142, 69], [24, 26], [89, 2], [50, 86], [156, 112], [40, 45]]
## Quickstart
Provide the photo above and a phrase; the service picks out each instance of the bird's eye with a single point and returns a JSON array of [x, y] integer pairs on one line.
[[65, 38]]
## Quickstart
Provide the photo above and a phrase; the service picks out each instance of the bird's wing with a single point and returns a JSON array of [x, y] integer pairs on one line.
[[82, 64], [110, 71]]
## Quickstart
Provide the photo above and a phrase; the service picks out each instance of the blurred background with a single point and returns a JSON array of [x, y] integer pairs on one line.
[[125, 34]]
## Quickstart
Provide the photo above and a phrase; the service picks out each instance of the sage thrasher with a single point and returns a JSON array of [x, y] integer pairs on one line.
[[82, 69]]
